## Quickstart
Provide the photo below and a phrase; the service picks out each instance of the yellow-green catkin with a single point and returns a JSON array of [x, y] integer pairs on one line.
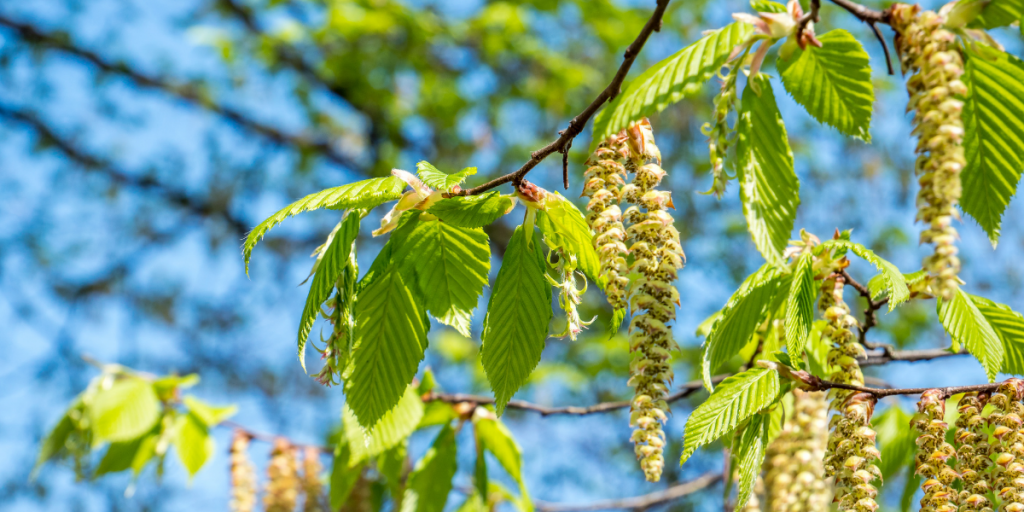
[[928, 51], [851, 453], [973, 453], [719, 134], [312, 486], [1005, 420], [605, 177], [793, 467], [933, 452], [654, 244], [282, 492], [243, 475]]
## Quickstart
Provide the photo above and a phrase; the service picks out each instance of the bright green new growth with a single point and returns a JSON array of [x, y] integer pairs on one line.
[[969, 328], [439, 180]]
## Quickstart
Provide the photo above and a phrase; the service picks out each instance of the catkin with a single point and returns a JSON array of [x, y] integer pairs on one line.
[[1005, 420], [243, 475], [719, 133], [973, 453], [927, 50], [605, 176], [794, 473], [569, 295], [932, 453], [657, 258], [312, 487], [851, 453], [283, 484]]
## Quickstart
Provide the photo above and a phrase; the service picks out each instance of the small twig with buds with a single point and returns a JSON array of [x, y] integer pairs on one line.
[[811, 383]]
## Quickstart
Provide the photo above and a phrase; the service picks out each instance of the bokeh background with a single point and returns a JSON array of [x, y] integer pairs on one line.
[[139, 141]]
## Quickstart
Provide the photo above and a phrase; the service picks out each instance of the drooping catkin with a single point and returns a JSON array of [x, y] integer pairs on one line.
[[794, 471], [312, 486], [1005, 420], [243, 475], [851, 453], [605, 176], [973, 453], [283, 484], [927, 49], [654, 244], [719, 133], [932, 453]]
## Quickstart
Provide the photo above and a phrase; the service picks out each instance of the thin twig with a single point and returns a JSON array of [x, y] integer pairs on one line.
[[885, 46], [270, 438], [638, 502], [870, 313], [562, 143]]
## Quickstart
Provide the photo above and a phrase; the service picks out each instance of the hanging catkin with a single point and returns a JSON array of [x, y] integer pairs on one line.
[[927, 50], [312, 487], [973, 453], [243, 475], [794, 472], [1005, 420], [657, 256], [605, 176], [283, 484], [932, 453]]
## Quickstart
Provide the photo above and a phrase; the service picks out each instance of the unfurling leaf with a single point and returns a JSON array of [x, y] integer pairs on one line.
[[564, 226], [472, 211], [969, 327], [438, 180], [1009, 326], [800, 306], [895, 283]]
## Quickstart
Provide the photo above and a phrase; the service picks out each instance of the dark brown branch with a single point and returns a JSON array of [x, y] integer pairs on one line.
[[909, 356], [270, 438], [188, 93], [870, 313], [825, 385], [638, 502], [865, 14], [564, 141], [885, 46]]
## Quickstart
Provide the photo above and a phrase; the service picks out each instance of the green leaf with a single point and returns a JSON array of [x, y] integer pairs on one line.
[[878, 285], [994, 140], [767, 6], [498, 440], [438, 180], [740, 317], [193, 442], [893, 278], [1009, 326], [396, 425], [335, 259], [669, 81], [564, 226], [480, 477], [517, 319], [472, 211], [431, 480], [800, 306], [210, 415], [817, 350], [118, 457], [391, 464], [343, 474], [750, 455], [968, 327], [55, 440], [1000, 13], [391, 337], [361, 194], [450, 266], [895, 440], [737, 398], [832, 82], [437, 413], [769, 187], [126, 410]]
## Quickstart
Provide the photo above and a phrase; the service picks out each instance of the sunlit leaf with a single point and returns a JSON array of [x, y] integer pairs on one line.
[[126, 410], [968, 327], [471, 211]]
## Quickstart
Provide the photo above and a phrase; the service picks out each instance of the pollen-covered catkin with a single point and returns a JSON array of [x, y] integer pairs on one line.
[[928, 50], [1005, 420], [794, 473], [851, 453], [605, 176], [283, 484], [972, 455], [243, 475], [312, 487], [657, 258], [932, 453]]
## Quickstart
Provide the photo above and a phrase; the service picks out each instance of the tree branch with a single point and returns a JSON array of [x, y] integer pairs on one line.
[[872, 18], [870, 316], [564, 141], [638, 502]]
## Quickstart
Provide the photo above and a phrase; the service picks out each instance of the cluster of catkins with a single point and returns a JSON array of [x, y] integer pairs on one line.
[[1008, 470], [927, 49], [657, 256], [932, 453], [851, 453], [794, 474], [285, 484], [973, 452], [243, 475]]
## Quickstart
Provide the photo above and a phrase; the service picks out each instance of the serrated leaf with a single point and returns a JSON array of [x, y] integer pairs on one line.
[[518, 314], [769, 188], [126, 410], [669, 81], [343, 474], [361, 194], [431, 480], [396, 425], [878, 285], [615, 322], [739, 318], [833, 82], [994, 140], [800, 306], [438, 180], [767, 6], [1000, 13], [817, 350], [450, 267], [334, 261], [1009, 326], [193, 443], [737, 398], [895, 283], [968, 327], [471, 211], [391, 337], [210, 415], [563, 225], [750, 454]]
